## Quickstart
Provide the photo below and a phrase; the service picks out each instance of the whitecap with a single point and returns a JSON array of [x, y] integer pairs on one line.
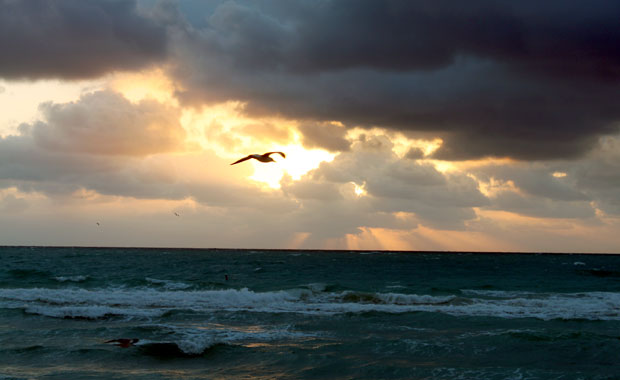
[[196, 340], [167, 284], [78, 278], [90, 312], [147, 303]]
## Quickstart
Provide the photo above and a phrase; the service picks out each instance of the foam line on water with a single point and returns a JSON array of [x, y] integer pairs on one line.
[[153, 302], [168, 284], [78, 278]]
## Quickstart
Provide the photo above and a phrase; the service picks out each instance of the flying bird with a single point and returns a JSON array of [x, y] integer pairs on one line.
[[98, 224], [260, 157], [123, 342], [176, 214]]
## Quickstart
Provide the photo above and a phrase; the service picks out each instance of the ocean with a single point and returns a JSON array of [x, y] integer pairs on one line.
[[264, 314]]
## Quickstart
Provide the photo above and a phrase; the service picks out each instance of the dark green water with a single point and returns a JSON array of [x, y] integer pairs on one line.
[[306, 315]]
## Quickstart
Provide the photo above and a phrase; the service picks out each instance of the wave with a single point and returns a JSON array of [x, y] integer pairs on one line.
[[186, 341], [150, 303], [8, 377], [71, 278], [167, 284], [91, 312]]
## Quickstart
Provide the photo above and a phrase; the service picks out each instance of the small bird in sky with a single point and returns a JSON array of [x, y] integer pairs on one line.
[[98, 224], [123, 342], [260, 157], [176, 214]]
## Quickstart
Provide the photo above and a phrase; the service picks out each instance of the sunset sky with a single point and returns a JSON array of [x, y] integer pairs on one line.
[[408, 125]]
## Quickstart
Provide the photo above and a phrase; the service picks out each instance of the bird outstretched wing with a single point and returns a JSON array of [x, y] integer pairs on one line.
[[241, 160], [280, 153]]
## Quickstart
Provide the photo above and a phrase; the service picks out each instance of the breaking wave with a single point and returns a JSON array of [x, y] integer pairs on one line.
[[184, 341], [315, 299], [167, 284]]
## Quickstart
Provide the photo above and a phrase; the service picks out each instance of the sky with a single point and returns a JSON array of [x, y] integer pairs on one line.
[[407, 125]]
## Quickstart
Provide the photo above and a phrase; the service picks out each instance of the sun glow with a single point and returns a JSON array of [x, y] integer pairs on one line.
[[298, 162], [360, 190], [153, 84]]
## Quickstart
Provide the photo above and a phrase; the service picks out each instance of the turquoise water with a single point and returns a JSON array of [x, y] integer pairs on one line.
[[222, 314]]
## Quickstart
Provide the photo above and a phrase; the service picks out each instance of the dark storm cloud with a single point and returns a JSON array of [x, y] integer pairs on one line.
[[529, 79], [75, 38]]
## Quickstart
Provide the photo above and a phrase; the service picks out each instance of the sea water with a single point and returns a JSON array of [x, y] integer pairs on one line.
[[260, 314]]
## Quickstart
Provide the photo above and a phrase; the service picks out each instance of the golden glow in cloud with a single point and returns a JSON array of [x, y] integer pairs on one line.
[[298, 162], [230, 134], [401, 143], [20, 100], [149, 84]]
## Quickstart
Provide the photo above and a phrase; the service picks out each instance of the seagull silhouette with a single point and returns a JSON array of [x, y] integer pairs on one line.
[[260, 157]]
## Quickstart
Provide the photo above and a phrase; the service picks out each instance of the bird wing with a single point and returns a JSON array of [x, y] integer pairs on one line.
[[241, 160], [280, 153]]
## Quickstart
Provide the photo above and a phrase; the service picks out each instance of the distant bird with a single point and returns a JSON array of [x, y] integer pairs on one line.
[[176, 214], [123, 342], [98, 224], [260, 157]]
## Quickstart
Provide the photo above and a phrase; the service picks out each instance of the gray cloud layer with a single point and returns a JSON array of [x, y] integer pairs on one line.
[[526, 79], [75, 38]]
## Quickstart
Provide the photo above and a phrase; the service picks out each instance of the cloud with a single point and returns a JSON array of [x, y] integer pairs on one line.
[[414, 153], [11, 204], [203, 177], [266, 132], [535, 180], [391, 185], [105, 122], [541, 207], [325, 136], [490, 78], [598, 175], [76, 38]]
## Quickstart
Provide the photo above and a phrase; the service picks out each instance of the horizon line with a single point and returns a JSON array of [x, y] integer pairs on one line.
[[314, 250]]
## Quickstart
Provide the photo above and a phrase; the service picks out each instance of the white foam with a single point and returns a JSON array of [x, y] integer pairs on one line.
[[167, 284], [193, 341], [71, 278], [149, 303], [90, 312], [413, 299], [498, 293], [317, 287]]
